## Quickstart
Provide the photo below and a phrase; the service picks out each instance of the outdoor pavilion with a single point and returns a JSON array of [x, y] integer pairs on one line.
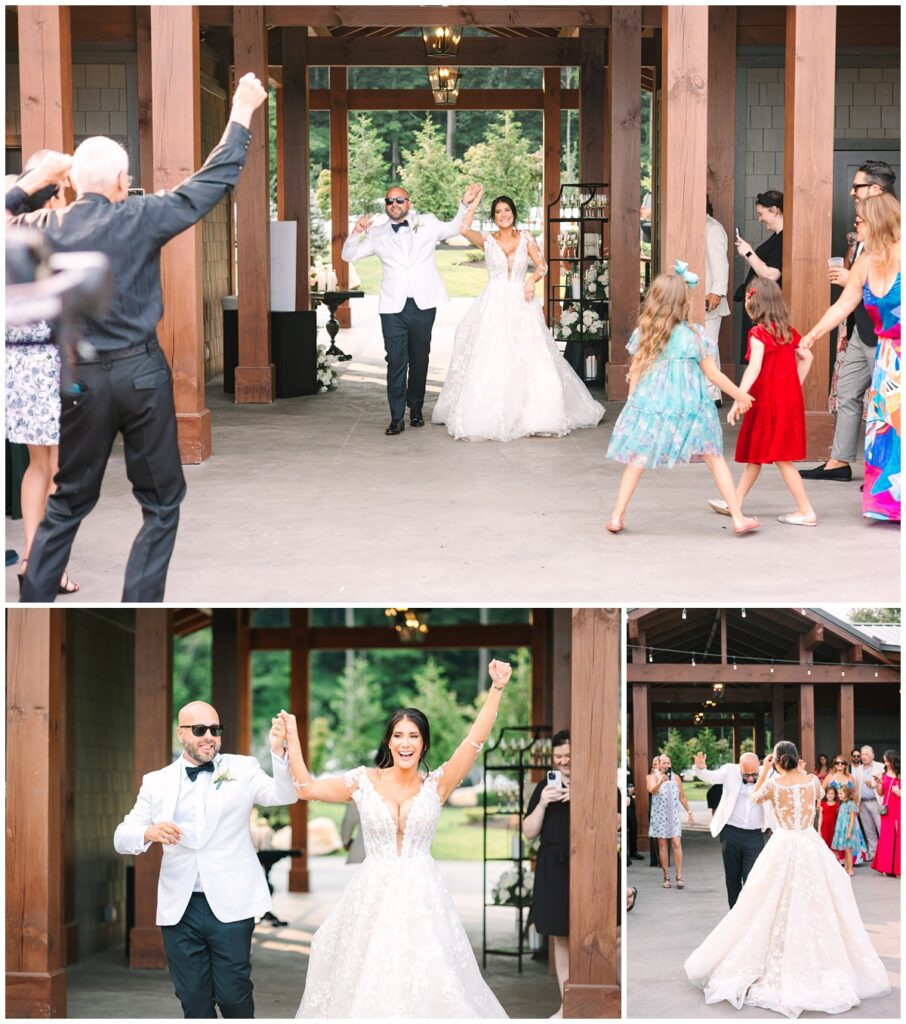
[[89, 712], [817, 680], [688, 55]]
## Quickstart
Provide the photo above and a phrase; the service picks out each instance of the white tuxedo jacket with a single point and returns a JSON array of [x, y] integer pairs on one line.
[[730, 777], [717, 266], [223, 856], [407, 257]]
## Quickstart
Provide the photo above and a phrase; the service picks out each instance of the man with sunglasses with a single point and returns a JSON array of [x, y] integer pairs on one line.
[[411, 291], [211, 886], [738, 822], [857, 364]]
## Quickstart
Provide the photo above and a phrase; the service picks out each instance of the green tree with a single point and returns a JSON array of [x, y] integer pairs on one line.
[[322, 193], [708, 743], [447, 719], [430, 175], [747, 746], [368, 170], [677, 751], [357, 709], [505, 165], [876, 615], [318, 739], [515, 707]]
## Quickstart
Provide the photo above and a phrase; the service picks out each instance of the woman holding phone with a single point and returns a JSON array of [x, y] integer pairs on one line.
[[548, 817], [667, 794]]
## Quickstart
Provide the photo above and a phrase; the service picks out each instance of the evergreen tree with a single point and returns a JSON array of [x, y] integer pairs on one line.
[[359, 719], [504, 164], [368, 170], [515, 707], [430, 175], [876, 615], [434, 698], [677, 751]]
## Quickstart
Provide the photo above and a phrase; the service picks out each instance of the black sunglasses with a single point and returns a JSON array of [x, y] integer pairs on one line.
[[867, 184], [200, 730], [399, 200], [840, 762]]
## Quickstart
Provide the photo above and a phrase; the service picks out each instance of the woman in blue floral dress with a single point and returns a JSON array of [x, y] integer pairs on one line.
[[668, 418]]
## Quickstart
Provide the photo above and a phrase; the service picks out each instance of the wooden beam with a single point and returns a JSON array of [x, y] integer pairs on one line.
[[231, 692], [423, 99], [341, 638], [806, 724], [722, 143], [813, 637], [846, 717], [176, 150], [723, 636], [552, 147], [144, 62], [593, 987], [35, 976], [254, 379], [409, 51], [808, 177], [153, 750], [296, 154], [684, 142], [300, 705], [339, 183], [670, 672], [592, 82], [624, 129], [45, 79]]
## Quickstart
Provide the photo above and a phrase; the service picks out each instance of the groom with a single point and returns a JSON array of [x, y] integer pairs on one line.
[[211, 885], [411, 291]]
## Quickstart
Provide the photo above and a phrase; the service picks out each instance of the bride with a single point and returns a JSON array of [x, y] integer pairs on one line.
[[393, 946], [507, 378], [796, 903]]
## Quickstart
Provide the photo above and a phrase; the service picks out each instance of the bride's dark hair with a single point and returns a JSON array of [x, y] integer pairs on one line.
[[384, 758], [510, 204], [786, 755]]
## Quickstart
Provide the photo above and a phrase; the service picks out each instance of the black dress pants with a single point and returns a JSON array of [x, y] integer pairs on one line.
[[210, 962], [133, 396], [407, 342], [740, 848]]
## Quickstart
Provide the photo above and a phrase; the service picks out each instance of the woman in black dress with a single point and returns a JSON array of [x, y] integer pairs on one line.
[[766, 260], [548, 816]]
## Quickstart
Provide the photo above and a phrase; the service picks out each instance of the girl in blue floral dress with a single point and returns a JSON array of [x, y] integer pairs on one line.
[[668, 418], [848, 837]]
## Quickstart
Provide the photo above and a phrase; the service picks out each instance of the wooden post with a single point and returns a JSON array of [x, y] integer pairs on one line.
[[808, 177], [624, 92], [153, 750], [806, 724], [593, 987], [684, 142], [339, 183], [777, 712], [561, 667], [846, 718], [296, 156], [45, 79], [144, 72], [69, 926], [542, 699], [737, 739], [254, 378], [176, 134], [231, 692], [299, 704], [552, 154], [35, 977], [722, 147], [592, 81], [642, 752], [760, 715]]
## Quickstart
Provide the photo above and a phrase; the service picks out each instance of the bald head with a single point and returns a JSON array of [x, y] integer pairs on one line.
[[749, 762], [198, 749], [197, 712], [100, 165]]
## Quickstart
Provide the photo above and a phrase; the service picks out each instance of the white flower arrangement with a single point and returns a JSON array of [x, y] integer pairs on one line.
[[221, 773], [327, 375], [573, 326], [509, 892], [597, 278]]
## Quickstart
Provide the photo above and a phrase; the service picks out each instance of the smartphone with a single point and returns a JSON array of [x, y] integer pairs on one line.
[[136, 191], [554, 778], [737, 232]]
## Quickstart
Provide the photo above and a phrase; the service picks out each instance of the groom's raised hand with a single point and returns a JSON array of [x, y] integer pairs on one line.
[[472, 193], [362, 224], [278, 735], [700, 761]]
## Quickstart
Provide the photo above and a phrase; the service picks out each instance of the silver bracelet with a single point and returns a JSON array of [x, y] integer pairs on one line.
[[496, 687]]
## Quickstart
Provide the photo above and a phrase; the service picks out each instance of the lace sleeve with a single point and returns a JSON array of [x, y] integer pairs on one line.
[[819, 789], [763, 793], [352, 778], [535, 254], [437, 774]]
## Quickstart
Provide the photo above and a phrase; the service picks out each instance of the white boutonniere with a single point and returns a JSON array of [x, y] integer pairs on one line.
[[222, 774], [416, 224]]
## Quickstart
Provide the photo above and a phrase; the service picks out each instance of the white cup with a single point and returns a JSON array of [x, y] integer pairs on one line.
[[834, 261]]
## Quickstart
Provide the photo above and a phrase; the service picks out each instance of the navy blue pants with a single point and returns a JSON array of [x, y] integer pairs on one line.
[[407, 342], [210, 962]]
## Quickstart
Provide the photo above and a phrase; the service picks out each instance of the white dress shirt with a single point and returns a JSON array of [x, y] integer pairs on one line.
[[746, 814], [188, 816]]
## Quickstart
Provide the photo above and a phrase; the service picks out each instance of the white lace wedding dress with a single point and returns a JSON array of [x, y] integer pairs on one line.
[[794, 940], [507, 378], [393, 946]]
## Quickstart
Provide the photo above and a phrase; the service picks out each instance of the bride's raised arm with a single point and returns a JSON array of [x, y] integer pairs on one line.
[[475, 237], [334, 791], [462, 759]]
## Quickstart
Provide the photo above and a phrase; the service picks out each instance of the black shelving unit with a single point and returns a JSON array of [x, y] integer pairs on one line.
[[518, 751], [583, 211]]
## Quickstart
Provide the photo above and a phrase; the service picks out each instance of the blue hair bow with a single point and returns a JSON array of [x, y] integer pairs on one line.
[[683, 271]]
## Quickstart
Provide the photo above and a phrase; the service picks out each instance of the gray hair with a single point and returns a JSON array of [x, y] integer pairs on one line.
[[97, 163], [871, 750]]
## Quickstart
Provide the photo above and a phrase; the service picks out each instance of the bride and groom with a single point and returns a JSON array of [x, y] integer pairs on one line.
[[507, 378]]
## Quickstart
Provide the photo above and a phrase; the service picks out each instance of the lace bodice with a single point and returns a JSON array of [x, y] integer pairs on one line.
[[502, 267], [384, 836], [795, 806]]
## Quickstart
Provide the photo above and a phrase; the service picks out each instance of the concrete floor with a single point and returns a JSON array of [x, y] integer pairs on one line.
[[102, 986], [657, 985], [306, 501]]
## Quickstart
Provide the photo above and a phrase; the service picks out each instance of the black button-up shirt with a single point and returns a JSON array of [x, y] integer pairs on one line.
[[131, 234]]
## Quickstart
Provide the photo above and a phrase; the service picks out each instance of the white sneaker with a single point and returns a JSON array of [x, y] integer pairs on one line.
[[719, 506]]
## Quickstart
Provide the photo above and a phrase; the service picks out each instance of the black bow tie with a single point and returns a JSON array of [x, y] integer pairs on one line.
[[402, 224], [192, 770]]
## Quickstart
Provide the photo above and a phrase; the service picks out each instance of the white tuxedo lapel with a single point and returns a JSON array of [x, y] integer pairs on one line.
[[171, 789], [214, 806]]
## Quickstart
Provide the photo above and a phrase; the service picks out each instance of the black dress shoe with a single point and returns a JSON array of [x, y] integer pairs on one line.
[[396, 427], [820, 473], [416, 419], [636, 856]]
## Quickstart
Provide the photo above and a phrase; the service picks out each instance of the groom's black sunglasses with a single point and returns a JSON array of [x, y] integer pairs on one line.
[[399, 200], [200, 730]]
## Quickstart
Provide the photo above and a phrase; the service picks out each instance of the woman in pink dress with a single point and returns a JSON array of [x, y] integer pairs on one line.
[[887, 855]]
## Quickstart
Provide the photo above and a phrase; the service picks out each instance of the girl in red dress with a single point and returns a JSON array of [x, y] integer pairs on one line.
[[827, 811], [773, 430]]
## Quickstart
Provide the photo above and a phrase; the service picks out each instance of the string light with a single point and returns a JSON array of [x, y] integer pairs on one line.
[[650, 656], [734, 664], [684, 613], [772, 666], [743, 613], [693, 658]]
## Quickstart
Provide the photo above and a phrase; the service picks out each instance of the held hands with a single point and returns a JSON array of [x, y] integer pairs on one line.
[[472, 195], [740, 406], [807, 340], [166, 833], [292, 729], [500, 672], [362, 224], [278, 735]]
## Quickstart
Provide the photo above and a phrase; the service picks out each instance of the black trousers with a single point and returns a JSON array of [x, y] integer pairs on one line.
[[407, 342], [632, 827], [210, 962], [132, 396], [740, 848]]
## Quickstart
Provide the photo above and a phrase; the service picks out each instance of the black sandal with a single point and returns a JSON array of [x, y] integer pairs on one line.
[[633, 892], [67, 585]]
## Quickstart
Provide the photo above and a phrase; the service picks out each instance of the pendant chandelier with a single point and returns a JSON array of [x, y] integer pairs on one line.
[[441, 41], [445, 84], [410, 623]]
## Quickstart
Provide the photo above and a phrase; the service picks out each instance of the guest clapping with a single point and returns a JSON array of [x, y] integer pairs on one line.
[[667, 794]]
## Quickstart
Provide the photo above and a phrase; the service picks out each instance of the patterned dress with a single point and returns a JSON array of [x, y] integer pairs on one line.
[[855, 841], [32, 385], [859, 856], [669, 418], [881, 491], [665, 812]]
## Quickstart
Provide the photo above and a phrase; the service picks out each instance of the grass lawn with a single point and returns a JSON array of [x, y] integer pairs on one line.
[[696, 790], [458, 832]]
